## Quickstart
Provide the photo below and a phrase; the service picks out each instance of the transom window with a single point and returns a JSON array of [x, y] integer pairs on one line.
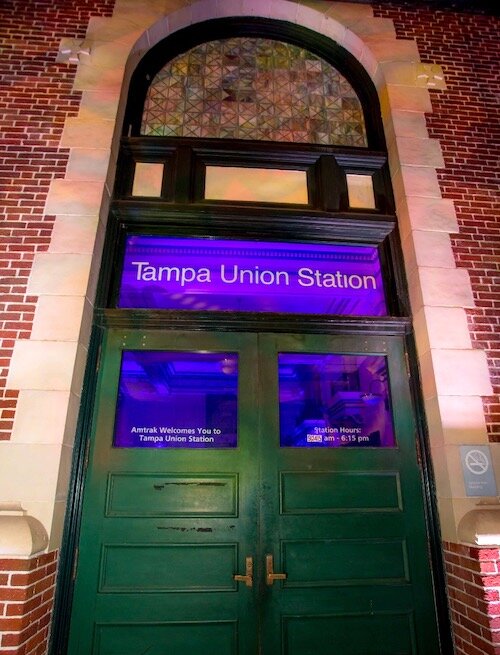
[[253, 88]]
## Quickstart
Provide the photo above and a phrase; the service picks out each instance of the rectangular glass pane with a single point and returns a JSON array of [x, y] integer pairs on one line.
[[331, 400], [177, 400], [360, 191], [222, 275], [148, 179], [256, 184]]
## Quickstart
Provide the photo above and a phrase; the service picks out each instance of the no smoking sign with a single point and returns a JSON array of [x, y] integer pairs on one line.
[[479, 477]]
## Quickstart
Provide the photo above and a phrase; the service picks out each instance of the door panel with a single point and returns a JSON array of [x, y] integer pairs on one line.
[[211, 638], [345, 524], [165, 530], [388, 633]]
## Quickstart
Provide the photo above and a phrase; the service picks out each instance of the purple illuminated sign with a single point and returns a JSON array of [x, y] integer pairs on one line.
[[332, 400], [177, 400], [205, 274]]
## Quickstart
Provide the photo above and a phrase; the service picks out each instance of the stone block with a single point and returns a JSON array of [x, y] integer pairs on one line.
[[448, 471], [405, 124], [74, 198], [59, 275], [79, 132], [354, 44], [411, 151], [72, 419], [74, 235], [92, 78], [456, 420], [320, 6], [387, 48], [87, 164], [180, 18], [40, 416], [42, 365], [99, 105], [447, 521], [311, 18], [125, 29], [38, 463], [80, 362], [336, 31], [432, 249], [418, 181], [443, 287], [372, 27], [461, 373], [428, 214], [58, 318], [347, 12], [441, 327], [159, 29]]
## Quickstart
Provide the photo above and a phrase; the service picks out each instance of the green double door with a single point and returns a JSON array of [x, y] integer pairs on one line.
[[273, 544]]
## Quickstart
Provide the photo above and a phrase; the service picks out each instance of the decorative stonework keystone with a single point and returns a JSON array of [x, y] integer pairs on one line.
[[71, 51], [430, 76]]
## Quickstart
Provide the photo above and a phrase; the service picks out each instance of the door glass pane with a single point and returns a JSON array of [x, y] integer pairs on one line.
[[177, 400], [256, 184], [331, 400]]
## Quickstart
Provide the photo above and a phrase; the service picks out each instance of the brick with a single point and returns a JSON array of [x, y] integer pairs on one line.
[[15, 564], [7, 625], [7, 593]]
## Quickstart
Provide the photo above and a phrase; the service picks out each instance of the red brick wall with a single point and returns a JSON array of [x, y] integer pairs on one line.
[[474, 592], [36, 97], [466, 120], [26, 598]]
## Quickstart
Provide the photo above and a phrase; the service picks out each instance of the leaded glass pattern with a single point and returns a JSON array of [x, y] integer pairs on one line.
[[253, 88]]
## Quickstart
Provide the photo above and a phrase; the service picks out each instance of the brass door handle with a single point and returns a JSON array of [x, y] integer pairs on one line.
[[248, 577], [270, 575]]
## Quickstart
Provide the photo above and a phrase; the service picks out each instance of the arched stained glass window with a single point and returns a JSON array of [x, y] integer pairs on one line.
[[253, 88]]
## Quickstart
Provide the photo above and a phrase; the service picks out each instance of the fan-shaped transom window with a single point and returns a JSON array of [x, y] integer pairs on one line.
[[253, 88]]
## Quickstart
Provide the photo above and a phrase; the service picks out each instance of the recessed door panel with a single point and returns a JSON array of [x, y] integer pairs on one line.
[[168, 568], [193, 637], [333, 562], [370, 633], [308, 492], [173, 495]]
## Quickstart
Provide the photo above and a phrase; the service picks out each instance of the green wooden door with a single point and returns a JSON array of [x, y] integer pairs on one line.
[[345, 524], [166, 530]]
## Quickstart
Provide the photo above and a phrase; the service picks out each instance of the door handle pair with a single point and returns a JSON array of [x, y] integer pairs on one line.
[[271, 576]]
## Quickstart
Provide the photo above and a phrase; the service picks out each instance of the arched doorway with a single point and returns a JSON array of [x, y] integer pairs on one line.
[[253, 481]]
